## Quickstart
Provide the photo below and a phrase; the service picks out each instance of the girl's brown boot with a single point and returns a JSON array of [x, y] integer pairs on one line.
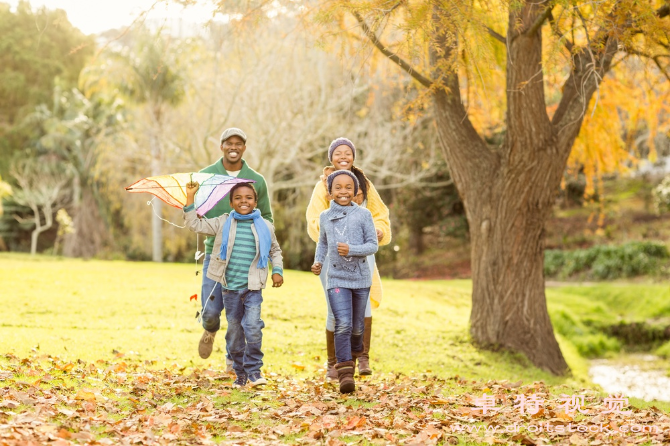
[[345, 373], [331, 373], [364, 357]]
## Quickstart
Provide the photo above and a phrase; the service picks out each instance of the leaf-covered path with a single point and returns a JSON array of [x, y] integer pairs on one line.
[[47, 400]]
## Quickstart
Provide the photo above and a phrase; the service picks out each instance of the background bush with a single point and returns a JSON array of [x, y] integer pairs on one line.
[[603, 262]]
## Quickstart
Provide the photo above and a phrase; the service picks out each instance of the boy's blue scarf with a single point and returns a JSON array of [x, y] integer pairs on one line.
[[264, 237]]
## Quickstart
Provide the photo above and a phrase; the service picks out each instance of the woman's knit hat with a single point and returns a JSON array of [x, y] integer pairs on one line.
[[331, 177], [337, 143]]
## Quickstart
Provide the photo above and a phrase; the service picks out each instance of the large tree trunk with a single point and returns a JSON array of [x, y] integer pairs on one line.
[[508, 191], [507, 205], [508, 300]]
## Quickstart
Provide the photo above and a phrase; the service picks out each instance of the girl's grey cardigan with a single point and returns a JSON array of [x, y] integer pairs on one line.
[[352, 225]]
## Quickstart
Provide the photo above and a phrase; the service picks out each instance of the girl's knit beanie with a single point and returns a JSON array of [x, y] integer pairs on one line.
[[331, 177], [337, 143]]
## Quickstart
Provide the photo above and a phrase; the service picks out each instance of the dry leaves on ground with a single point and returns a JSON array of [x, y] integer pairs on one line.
[[45, 399]]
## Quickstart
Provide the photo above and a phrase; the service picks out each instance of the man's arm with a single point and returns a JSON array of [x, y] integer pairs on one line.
[[264, 200]]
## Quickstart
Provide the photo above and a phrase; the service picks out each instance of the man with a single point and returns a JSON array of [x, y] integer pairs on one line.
[[233, 146]]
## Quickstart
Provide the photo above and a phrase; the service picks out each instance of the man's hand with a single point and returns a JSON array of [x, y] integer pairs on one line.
[[316, 268], [342, 249], [380, 235], [277, 280]]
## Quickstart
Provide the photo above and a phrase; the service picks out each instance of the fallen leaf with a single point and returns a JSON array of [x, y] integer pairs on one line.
[[578, 440], [84, 395], [297, 365]]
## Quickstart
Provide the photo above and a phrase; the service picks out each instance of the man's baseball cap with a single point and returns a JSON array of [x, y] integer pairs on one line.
[[233, 131]]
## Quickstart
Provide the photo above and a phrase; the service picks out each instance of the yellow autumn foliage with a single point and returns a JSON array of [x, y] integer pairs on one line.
[[622, 120]]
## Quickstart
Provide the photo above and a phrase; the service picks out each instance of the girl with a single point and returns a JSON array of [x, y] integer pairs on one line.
[[347, 236], [342, 154]]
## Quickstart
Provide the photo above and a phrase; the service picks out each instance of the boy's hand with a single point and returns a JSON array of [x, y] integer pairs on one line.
[[277, 280], [316, 268], [342, 249], [380, 235], [192, 188]]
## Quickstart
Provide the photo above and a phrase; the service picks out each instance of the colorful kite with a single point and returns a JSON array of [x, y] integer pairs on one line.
[[172, 188]]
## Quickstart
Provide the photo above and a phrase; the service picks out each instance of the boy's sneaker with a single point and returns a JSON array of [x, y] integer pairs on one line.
[[229, 365], [257, 380], [206, 344], [240, 381]]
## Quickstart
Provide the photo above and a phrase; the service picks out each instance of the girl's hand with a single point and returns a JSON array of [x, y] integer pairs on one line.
[[380, 235], [277, 280], [342, 249], [316, 268]]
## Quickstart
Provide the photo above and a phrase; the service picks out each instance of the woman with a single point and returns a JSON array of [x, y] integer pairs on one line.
[[342, 154]]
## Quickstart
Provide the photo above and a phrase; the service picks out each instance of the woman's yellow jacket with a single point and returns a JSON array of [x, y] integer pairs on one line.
[[320, 201]]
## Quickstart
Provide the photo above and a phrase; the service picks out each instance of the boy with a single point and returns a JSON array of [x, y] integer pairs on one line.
[[243, 244]]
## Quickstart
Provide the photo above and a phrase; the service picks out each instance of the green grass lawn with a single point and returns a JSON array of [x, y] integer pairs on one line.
[[79, 309], [108, 350]]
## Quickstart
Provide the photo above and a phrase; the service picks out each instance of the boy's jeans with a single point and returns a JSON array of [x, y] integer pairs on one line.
[[348, 307], [244, 336], [211, 307]]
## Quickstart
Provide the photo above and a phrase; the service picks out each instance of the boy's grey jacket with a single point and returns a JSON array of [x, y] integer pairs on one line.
[[217, 267], [354, 226]]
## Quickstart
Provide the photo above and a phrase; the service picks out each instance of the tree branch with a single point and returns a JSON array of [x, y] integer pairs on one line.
[[539, 21], [589, 67], [655, 58], [554, 26], [394, 57], [497, 36], [661, 13]]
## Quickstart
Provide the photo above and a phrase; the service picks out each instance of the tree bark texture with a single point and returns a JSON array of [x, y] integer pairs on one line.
[[509, 191]]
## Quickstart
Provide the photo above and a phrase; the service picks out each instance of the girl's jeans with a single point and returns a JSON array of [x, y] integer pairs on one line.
[[348, 306], [244, 335], [330, 320]]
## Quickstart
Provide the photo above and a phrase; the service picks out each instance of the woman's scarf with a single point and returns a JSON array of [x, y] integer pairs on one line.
[[264, 237]]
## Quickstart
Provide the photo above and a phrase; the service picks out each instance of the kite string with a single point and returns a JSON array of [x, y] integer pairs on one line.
[[197, 251], [197, 244], [151, 203]]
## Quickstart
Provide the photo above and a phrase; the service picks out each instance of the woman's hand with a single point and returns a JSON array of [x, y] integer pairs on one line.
[[277, 280], [380, 235], [342, 249], [316, 268]]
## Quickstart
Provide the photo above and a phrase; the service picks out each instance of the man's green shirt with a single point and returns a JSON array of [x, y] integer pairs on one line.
[[223, 206]]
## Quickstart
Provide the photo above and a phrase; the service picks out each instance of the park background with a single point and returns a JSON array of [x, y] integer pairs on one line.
[[84, 114]]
